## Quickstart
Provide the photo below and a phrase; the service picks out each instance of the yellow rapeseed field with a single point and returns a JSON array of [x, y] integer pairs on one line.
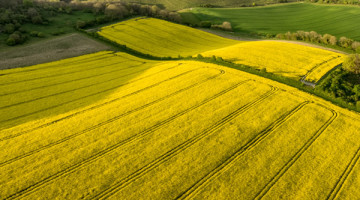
[[286, 59], [161, 38], [110, 125], [315, 74]]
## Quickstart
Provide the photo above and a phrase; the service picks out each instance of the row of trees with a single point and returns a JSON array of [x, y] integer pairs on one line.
[[327, 39], [117, 10], [351, 2], [15, 13]]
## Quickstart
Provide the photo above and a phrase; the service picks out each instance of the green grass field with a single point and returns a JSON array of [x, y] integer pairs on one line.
[[181, 4], [113, 126], [338, 20]]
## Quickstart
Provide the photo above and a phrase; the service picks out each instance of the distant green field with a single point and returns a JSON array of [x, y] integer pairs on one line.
[[335, 20], [181, 4]]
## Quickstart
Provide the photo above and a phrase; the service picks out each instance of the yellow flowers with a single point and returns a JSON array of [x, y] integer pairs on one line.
[[323, 68], [110, 125], [286, 59], [161, 38]]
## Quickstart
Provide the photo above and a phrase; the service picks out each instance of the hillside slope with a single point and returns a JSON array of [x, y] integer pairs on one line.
[[161, 38], [110, 125]]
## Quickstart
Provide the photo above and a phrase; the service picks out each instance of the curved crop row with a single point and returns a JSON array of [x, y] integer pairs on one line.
[[104, 123], [297, 155], [113, 147], [192, 191]]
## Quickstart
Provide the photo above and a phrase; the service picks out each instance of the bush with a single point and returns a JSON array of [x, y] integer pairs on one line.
[[220, 59], [352, 64], [41, 35], [15, 38], [10, 41], [199, 56], [34, 33], [9, 28], [227, 26], [205, 24], [102, 19], [36, 19], [345, 42], [358, 105], [355, 45], [280, 36], [80, 24], [333, 40]]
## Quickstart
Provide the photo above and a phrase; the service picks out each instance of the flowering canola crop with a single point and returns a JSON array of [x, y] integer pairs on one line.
[[110, 125]]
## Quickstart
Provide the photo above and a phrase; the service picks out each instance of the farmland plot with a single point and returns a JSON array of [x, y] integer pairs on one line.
[[166, 130], [161, 38], [286, 59]]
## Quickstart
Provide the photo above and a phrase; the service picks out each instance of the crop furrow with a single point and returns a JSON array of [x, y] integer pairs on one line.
[[318, 65], [108, 150], [62, 64], [298, 154], [180, 148], [61, 74], [75, 89], [64, 92], [229, 162], [153, 36], [349, 168], [70, 81], [109, 120], [74, 100], [94, 107]]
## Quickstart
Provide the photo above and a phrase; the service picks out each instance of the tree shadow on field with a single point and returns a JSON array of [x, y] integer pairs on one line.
[[63, 93]]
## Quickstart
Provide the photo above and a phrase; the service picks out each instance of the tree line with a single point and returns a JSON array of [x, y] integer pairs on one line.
[[15, 13], [326, 39]]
